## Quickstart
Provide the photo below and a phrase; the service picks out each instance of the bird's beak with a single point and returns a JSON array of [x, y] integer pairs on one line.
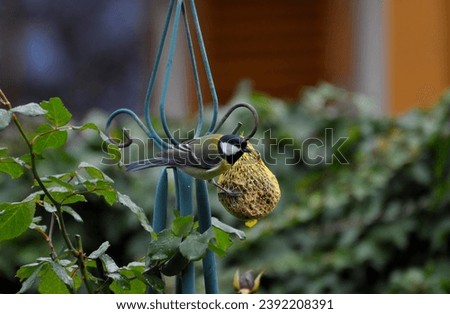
[[247, 150]]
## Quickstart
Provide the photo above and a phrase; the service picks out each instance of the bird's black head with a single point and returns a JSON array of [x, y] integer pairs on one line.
[[231, 147]]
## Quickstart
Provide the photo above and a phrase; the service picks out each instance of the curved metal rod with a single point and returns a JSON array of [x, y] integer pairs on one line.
[[212, 88], [180, 9], [128, 141], [150, 133], [230, 111], [198, 89], [154, 72], [165, 86]]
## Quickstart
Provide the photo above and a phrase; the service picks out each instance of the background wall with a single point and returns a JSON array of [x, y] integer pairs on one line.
[[99, 54]]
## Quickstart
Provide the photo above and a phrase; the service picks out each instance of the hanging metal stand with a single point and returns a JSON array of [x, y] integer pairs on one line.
[[184, 183]]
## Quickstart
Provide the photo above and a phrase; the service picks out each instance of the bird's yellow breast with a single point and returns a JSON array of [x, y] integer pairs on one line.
[[208, 174]]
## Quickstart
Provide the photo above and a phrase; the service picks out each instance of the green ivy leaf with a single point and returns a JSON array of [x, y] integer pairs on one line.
[[35, 224], [86, 126], [25, 271], [31, 109], [138, 269], [195, 245], [127, 285], [108, 193], [138, 211], [48, 137], [137, 286], [99, 187], [110, 265], [155, 282], [50, 282], [120, 283], [64, 197], [100, 251], [182, 225], [228, 229], [164, 246], [11, 166], [94, 172], [49, 207], [62, 274], [147, 279], [26, 159], [15, 218], [58, 180], [28, 275], [175, 265], [57, 113], [5, 118], [72, 213], [221, 242], [72, 199], [33, 196]]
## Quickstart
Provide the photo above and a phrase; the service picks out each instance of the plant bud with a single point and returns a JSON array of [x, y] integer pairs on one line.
[[246, 283]]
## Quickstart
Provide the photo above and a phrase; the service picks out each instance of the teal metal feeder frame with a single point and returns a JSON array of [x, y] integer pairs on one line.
[[184, 183]]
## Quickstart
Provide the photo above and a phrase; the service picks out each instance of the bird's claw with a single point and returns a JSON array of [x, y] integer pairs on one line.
[[231, 193]]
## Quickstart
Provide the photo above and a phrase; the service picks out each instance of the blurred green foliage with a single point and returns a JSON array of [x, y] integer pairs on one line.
[[377, 224]]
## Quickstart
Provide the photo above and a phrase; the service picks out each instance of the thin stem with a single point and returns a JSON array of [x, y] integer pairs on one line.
[[4, 100], [105, 284], [58, 215], [62, 226], [36, 176], [50, 237], [82, 264], [49, 242]]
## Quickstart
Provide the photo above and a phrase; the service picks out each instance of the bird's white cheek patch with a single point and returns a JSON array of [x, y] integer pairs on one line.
[[229, 149]]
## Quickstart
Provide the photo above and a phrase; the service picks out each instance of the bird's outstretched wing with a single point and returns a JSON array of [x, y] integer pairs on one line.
[[197, 152], [193, 153]]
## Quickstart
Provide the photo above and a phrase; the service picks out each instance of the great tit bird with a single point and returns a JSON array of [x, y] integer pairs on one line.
[[203, 158]]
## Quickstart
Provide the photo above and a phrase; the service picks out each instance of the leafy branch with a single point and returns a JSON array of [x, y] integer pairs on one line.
[[174, 248], [56, 194], [59, 116], [69, 268]]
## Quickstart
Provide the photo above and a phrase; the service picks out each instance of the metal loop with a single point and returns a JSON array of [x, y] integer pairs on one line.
[[180, 10], [153, 75], [230, 111], [151, 133], [128, 141], [201, 44], [198, 90], [168, 69]]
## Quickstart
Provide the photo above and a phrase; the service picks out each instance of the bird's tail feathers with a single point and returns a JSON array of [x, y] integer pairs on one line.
[[148, 163]]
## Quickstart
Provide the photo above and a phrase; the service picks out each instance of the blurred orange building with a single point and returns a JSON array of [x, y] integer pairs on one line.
[[395, 50], [95, 52]]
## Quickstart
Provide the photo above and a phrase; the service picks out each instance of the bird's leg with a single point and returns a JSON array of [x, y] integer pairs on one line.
[[230, 193]]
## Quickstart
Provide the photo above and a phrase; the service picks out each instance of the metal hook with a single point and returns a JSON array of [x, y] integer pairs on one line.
[[128, 140], [230, 111]]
